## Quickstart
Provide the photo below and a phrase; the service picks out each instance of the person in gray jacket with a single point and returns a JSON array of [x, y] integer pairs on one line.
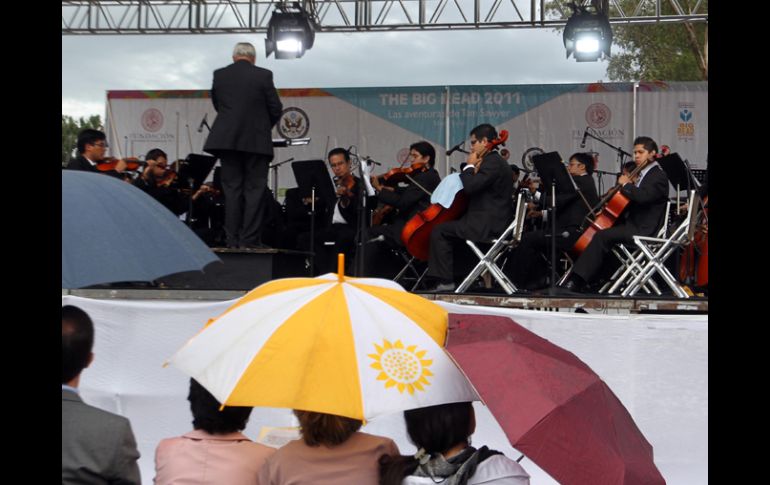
[[97, 447]]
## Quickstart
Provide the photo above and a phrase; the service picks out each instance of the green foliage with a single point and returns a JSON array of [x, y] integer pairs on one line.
[[70, 127], [654, 52]]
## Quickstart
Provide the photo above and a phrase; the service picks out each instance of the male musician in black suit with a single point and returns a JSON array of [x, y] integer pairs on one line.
[[405, 203], [92, 145], [96, 446], [571, 209], [642, 217], [487, 183], [248, 107]]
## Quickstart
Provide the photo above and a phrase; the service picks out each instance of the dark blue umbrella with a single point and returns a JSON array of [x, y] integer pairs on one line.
[[112, 231]]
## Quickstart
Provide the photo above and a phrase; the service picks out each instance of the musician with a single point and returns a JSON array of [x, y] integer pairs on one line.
[[92, 146], [154, 182], [339, 222], [487, 183], [406, 202], [571, 210], [648, 196]]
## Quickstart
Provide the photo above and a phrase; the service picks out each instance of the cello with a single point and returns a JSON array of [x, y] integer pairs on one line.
[[416, 232], [694, 264], [613, 205]]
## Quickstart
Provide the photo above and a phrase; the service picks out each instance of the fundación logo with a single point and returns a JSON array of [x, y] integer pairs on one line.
[[152, 120]]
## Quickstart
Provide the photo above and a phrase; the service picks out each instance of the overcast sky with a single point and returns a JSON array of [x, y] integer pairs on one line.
[[92, 65]]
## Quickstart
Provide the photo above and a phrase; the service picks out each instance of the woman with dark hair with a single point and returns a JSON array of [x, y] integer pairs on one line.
[[331, 451], [216, 451], [442, 434]]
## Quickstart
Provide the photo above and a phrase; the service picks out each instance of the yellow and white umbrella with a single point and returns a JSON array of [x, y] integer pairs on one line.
[[354, 347]]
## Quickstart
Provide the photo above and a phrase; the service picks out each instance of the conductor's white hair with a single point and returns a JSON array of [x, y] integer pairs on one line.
[[244, 49]]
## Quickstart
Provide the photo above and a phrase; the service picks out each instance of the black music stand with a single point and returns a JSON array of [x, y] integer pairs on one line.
[[313, 176], [196, 167], [557, 180], [678, 172]]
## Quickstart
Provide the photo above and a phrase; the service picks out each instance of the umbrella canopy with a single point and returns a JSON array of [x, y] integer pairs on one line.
[[351, 347], [552, 406], [112, 231]]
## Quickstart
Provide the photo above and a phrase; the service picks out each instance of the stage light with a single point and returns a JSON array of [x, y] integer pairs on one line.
[[289, 33], [587, 35]]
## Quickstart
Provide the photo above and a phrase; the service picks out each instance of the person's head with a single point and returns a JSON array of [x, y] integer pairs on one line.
[[77, 340], [244, 51], [628, 167], [339, 160], [92, 144], [481, 135], [645, 149], [208, 417], [159, 162], [516, 172], [325, 429], [435, 429], [422, 151], [581, 163]]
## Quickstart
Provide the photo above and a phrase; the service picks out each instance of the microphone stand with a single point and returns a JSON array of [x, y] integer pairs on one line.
[[360, 223], [275, 175], [552, 289], [621, 153], [312, 229]]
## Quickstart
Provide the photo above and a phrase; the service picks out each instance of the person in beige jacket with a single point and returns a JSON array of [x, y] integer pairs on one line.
[[215, 452], [331, 451]]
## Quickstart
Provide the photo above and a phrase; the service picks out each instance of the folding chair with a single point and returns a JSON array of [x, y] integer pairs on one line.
[[409, 266], [488, 261], [629, 260], [656, 251]]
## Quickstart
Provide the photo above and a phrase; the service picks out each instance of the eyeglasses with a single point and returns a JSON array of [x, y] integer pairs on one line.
[[102, 144], [473, 142]]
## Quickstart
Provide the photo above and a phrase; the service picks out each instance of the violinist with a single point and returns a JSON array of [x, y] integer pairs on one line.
[[92, 146], [337, 233], [486, 181], [156, 182], [643, 216], [405, 201], [571, 209]]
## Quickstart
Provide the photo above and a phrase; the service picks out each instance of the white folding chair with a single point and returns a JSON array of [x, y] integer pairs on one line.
[[656, 250], [629, 263], [488, 261]]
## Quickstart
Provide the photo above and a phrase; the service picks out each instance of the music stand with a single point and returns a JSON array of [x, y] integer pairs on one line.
[[677, 171], [313, 174], [196, 167], [551, 170]]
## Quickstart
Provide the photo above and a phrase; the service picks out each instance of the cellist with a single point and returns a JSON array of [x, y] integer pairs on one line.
[[487, 183], [406, 201], [642, 217]]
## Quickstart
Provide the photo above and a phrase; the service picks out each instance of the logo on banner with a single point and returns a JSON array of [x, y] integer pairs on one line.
[[152, 120], [685, 131], [598, 115], [293, 123]]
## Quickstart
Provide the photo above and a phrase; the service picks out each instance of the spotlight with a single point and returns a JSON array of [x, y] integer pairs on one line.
[[587, 35], [289, 33]]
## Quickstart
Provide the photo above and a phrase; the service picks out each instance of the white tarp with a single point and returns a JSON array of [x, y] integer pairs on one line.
[[655, 364]]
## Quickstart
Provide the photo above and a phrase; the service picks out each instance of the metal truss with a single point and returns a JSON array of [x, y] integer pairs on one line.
[[252, 16]]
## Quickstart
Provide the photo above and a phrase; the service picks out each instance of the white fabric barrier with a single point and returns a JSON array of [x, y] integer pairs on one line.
[[655, 364]]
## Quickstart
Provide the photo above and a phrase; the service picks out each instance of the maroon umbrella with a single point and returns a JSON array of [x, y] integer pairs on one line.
[[551, 405]]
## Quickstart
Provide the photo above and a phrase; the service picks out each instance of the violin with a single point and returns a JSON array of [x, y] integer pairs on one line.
[[168, 178], [132, 163], [346, 183], [399, 174]]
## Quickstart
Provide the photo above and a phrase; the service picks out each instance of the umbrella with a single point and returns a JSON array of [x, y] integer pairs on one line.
[[551, 406], [346, 346], [112, 231]]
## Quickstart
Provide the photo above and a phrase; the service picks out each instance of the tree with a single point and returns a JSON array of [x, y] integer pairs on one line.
[[664, 52], [69, 133]]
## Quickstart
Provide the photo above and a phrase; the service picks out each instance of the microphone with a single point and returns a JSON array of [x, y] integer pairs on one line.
[[455, 148], [583, 142], [370, 161], [379, 238], [203, 123]]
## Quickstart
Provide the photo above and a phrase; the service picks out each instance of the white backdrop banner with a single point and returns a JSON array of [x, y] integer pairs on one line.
[[655, 364], [382, 122]]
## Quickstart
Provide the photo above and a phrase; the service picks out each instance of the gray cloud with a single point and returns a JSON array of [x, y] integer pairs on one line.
[[92, 65]]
